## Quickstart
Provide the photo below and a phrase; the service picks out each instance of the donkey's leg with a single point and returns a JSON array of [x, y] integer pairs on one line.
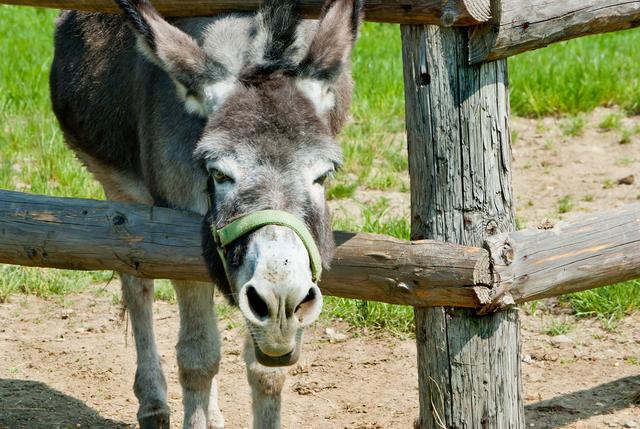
[[198, 353], [216, 419], [266, 388], [150, 386]]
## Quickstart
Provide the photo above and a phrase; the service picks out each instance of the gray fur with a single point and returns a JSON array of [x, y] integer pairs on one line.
[[153, 108]]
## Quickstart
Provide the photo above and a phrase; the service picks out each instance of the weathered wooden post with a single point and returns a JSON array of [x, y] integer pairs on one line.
[[460, 168]]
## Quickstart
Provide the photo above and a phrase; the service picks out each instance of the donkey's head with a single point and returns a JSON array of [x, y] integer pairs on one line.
[[272, 110]]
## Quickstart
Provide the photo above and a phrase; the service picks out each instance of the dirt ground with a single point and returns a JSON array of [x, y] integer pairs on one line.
[[70, 364], [597, 170]]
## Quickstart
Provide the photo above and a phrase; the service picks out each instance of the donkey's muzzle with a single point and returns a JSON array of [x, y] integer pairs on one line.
[[276, 320], [278, 295], [275, 361]]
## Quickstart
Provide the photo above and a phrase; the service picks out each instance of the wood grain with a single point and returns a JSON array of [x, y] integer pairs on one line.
[[460, 170], [523, 25], [590, 251], [156, 242], [452, 12]]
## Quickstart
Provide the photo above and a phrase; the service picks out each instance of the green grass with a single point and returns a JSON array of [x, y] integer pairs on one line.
[[375, 220], [625, 137], [625, 162], [372, 142], [45, 282], [608, 304], [565, 204], [632, 360], [397, 319], [573, 126], [577, 76], [33, 156], [558, 327], [341, 191], [612, 121], [163, 291], [566, 78]]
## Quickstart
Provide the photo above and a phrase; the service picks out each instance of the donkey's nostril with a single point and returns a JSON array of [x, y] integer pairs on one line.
[[309, 308], [257, 304], [311, 295]]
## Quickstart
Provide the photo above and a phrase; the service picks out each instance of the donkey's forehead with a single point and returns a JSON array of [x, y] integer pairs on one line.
[[268, 123], [268, 104], [269, 150]]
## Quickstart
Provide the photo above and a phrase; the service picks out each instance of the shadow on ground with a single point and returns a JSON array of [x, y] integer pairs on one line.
[[33, 405], [572, 407]]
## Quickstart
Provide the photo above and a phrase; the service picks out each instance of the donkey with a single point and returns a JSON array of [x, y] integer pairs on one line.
[[226, 116]]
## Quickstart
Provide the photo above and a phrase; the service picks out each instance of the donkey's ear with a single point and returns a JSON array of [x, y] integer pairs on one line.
[[277, 22], [200, 81], [330, 52]]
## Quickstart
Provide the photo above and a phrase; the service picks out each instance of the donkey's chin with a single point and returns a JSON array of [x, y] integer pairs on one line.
[[274, 361], [271, 358]]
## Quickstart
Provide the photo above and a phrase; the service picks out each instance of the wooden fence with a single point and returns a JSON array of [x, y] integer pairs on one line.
[[459, 12], [155, 242], [456, 90]]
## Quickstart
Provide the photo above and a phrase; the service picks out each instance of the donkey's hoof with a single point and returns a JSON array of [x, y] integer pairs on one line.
[[158, 421]]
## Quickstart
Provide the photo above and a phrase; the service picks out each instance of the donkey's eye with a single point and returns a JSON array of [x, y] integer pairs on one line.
[[320, 180], [220, 177]]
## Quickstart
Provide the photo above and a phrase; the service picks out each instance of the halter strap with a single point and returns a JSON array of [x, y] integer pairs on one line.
[[253, 221]]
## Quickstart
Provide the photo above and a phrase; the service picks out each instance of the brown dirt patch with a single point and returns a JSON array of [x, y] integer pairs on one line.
[[72, 363], [549, 166]]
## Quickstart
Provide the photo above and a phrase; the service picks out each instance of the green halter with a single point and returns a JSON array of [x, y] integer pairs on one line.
[[253, 221]]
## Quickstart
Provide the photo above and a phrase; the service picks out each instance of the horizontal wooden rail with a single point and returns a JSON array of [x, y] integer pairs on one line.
[[592, 251], [500, 28], [157, 242], [595, 250], [452, 12], [523, 25]]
